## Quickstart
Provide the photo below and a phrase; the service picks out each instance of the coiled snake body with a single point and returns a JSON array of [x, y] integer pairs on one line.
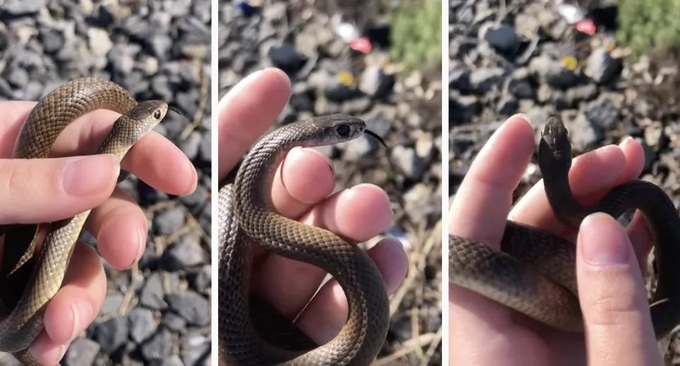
[[246, 216], [535, 272], [29, 280]]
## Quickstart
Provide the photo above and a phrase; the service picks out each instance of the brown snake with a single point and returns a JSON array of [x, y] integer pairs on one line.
[[246, 216], [30, 279], [535, 272]]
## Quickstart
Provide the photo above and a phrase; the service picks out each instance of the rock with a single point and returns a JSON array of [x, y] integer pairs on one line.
[[602, 113], [483, 79], [507, 105], [23, 7], [158, 346], [199, 279], [582, 134], [408, 162], [285, 57], [186, 253], [520, 84], [417, 202], [170, 220], [601, 67], [375, 82], [502, 38], [111, 334], [194, 308], [142, 324], [82, 351], [152, 293], [459, 77], [191, 145]]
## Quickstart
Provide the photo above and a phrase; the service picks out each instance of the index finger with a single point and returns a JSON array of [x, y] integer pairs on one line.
[[482, 203], [246, 112]]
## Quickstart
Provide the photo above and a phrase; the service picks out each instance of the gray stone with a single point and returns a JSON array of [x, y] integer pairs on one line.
[[408, 162], [602, 67], [82, 351], [152, 293], [23, 7], [111, 334], [186, 253], [142, 324], [158, 346], [194, 308], [170, 220]]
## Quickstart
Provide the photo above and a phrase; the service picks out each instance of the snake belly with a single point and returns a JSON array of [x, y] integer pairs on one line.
[[534, 273], [246, 216], [35, 277]]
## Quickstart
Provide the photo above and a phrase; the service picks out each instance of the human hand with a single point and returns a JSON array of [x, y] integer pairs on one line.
[[611, 292], [44, 190], [302, 191]]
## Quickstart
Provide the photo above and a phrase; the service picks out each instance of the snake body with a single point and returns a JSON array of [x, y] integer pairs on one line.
[[44, 270], [246, 216], [535, 271]]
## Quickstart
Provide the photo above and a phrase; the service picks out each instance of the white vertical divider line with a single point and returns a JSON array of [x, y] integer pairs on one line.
[[445, 183], [214, 297]]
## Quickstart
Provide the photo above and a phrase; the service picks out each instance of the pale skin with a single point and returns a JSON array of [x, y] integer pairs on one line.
[[44, 190], [302, 190], [611, 291]]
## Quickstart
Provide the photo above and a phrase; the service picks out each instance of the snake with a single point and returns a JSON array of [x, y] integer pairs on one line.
[[246, 216], [534, 271], [32, 272]]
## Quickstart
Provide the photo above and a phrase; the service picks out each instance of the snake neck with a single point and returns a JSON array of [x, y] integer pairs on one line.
[[77, 98]]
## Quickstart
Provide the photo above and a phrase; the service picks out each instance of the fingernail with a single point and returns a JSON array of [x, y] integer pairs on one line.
[[625, 141], [604, 240], [522, 116], [141, 241], [89, 175], [82, 316]]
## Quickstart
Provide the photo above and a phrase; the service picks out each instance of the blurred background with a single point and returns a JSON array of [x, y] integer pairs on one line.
[[158, 313], [608, 68], [380, 61]]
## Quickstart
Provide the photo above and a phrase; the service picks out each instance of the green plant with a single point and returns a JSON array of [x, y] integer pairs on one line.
[[416, 33], [649, 26]]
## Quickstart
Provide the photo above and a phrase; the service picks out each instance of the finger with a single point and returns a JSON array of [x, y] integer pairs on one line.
[[480, 207], [304, 178], [74, 307], [612, 296], [120, 227], [161, 165], [246, 112], [154, 159], [593, 174], [359, 214], [43, 190], [479, 212], [327, 312]]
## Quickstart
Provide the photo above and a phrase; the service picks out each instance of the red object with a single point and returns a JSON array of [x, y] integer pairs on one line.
[[362, 45], [586, 26]]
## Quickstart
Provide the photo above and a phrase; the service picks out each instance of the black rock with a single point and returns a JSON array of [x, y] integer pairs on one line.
[[503, 38]]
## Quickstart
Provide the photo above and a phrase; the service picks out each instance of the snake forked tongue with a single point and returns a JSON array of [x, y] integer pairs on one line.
[[375, 136]]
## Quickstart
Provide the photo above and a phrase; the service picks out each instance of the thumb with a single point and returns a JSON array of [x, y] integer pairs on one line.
[[41, 190], [612, 295]]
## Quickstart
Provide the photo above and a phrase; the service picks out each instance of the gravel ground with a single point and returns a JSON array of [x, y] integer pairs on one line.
[[158, 313], [328, 77], [508, 58]]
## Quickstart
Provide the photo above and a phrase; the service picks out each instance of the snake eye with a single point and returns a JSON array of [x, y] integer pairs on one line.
[[343, 130], [157, 114]]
